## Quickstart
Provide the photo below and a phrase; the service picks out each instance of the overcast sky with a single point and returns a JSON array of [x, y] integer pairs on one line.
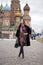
[[36, 12]]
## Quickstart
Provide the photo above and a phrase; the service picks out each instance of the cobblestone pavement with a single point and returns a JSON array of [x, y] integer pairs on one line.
[[9, 54]]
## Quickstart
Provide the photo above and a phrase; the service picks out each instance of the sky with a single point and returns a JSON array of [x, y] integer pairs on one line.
[[36, 12]]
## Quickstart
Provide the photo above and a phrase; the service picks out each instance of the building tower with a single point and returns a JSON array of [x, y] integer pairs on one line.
[[15, 5], [26, 15], [18, 18], [6, 16], [1, 15]]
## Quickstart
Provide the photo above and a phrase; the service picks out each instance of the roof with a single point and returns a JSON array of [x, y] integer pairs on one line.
[[18, 14], [27, 7], [6, 8]]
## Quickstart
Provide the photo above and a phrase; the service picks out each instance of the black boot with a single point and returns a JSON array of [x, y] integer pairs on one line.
[[20, 52]]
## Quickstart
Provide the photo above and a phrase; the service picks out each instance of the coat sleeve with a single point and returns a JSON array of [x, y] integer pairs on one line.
[[29, 30], [17, 33]]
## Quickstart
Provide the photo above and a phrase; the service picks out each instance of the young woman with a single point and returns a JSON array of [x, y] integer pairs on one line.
[[23, 33]]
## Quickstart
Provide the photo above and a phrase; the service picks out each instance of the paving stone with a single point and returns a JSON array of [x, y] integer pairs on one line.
[[9, 54]]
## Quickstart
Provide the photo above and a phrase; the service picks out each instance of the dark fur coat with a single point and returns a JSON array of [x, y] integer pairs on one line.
[[27, 36]]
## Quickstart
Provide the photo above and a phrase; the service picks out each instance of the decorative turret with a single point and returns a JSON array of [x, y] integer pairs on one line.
[[6, 8], [1, 17], [26, 7], [15, 5], [18, 17], [1, 11], [1, 7], [26, 15], [18, 13]]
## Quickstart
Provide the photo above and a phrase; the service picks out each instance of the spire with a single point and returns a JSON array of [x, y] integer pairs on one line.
[[18, 13], [6, 8], [15, 7], [26, 7], [1, 7], [15, 4], [14, 0]]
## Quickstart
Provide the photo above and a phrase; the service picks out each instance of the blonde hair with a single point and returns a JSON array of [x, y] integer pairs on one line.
[[23, 21]]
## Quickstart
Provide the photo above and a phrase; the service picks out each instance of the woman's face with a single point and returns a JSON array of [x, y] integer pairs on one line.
[[22, 22]]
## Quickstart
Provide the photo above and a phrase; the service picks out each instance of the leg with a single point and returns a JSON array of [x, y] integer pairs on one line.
[[20, 48], [20, 52]]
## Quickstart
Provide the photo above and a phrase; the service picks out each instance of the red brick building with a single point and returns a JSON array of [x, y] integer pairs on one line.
[[10, 18]]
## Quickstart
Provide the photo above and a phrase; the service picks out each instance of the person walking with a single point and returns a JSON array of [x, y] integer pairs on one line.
[[22, 34]]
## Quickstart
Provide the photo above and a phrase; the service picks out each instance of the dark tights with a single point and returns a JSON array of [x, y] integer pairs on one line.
[[21, 51]]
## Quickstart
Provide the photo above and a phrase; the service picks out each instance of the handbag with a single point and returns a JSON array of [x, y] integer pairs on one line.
[[16, 44]]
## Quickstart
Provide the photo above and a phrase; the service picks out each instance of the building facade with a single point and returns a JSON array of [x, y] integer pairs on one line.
[[10, 18]]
